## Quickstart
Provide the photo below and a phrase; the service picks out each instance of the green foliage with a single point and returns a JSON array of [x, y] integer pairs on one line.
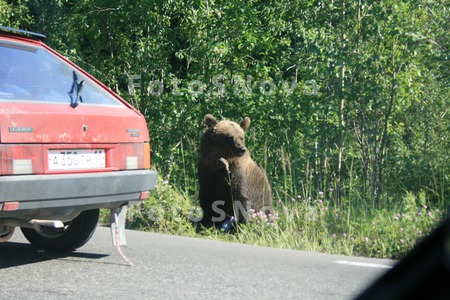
[[301, 223], [167, 210], [15, 14], [315, 225]]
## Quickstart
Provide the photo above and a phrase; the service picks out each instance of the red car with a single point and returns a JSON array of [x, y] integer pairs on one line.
[[68, 146]]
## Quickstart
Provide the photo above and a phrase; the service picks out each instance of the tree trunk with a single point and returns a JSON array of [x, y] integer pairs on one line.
[[340, 143]]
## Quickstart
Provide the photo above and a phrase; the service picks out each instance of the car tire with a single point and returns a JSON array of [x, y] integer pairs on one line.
[[6, 236], [75, 233]]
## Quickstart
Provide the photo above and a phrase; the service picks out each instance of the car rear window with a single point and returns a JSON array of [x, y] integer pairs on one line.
[[29, 73]]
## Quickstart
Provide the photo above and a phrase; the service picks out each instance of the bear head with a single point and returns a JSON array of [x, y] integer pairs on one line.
[[227, 137]]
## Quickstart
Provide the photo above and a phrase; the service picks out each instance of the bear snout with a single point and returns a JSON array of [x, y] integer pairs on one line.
[[241, 151]]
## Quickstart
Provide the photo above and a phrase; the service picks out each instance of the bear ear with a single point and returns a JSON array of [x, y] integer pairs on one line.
[[245, 124], [210, 121]]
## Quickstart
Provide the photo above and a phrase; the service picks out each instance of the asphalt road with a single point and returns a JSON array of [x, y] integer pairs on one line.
[[172, 267]]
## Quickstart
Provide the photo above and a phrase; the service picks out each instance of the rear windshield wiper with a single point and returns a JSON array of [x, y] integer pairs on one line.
[[75, 91]]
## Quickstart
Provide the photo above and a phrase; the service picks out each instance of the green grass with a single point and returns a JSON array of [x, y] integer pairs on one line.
[[310, 224]]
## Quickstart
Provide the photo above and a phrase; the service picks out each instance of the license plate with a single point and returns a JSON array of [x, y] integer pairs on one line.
[[76, 159]]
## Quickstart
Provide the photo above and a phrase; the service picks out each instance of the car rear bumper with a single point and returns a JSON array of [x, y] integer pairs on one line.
[[65, 194]]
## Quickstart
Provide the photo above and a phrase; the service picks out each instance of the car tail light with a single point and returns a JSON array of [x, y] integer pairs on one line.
[[129, 156], [137, 156], [20, 159], [22, 166], [147, 160], [132, 162]]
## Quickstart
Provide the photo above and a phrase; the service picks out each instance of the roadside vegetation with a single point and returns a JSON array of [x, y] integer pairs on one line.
[[303, 222], [349, 102]]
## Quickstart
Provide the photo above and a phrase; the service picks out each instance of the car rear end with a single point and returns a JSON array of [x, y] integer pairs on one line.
[[68, 144]]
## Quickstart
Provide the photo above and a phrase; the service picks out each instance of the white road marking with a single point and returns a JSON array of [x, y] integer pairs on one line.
[[361, 264]]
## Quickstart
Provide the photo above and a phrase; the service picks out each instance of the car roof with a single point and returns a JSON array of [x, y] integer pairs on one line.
[[9, 31]]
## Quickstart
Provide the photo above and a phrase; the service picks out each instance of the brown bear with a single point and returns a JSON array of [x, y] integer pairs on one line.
[[231, 183]]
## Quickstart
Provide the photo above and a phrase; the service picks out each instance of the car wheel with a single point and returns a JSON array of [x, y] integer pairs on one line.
[[6, 235], [75, 233]]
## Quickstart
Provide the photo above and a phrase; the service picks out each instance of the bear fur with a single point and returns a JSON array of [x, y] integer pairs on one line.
[[231, 183]]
